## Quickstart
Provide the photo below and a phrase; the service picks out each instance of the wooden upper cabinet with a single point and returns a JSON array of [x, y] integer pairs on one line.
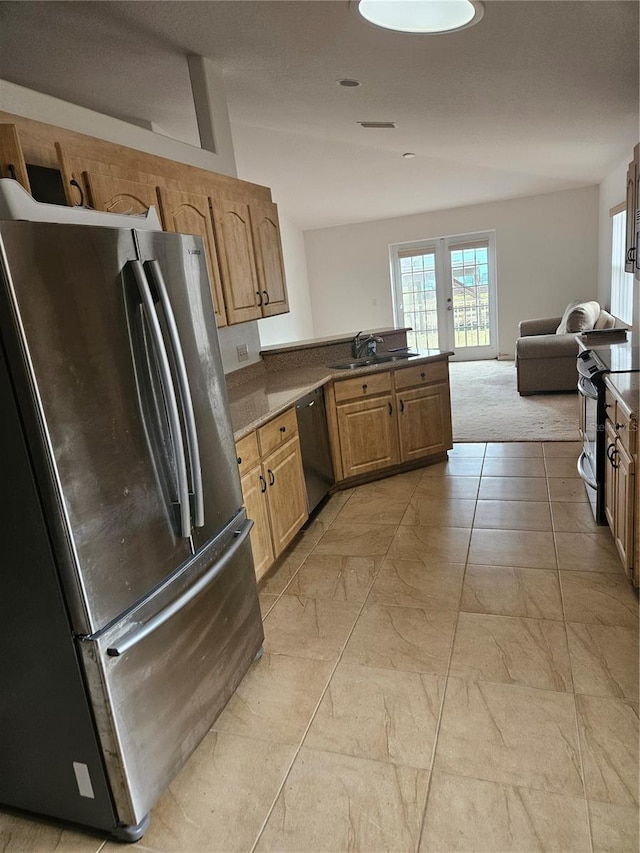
[[12, 163], [269, 262], [237, 260], [119, 195], [188, 213]]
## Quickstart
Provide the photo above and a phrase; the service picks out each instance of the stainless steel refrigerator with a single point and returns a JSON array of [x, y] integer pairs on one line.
[[129, 610]]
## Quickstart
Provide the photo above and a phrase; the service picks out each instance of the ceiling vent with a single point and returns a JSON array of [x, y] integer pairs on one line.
[[378, 124]]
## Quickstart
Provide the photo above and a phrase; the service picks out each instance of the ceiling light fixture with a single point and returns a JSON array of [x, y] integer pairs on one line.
[[422, 16], [408, 155], [349, 84]]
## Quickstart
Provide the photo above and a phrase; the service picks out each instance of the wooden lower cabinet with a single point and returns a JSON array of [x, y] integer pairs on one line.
[[424, 424], [385, 419], [620, 508], [254, 488], [368, 435], [623, 526], [273, 487]]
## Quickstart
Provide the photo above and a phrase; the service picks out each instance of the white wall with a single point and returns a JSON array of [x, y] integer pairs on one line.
[[297, 325], [547, 255]]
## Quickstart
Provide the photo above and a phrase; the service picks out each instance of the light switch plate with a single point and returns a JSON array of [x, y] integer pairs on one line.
[[243, 352]]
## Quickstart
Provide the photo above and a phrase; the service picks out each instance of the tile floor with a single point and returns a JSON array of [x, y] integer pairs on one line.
[[451, 663]]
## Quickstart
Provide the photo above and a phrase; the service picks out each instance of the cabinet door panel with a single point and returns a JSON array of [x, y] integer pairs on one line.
[[119, 195], [269, 263], [253, 491], [237, 260], [609, 475], [368, 435], [188, 213], [286, 493], [424, 423], [623, 528], [12, 163]]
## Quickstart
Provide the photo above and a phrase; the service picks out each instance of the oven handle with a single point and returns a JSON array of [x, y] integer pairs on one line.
[[583, 473], [587, 389], [583, 370]]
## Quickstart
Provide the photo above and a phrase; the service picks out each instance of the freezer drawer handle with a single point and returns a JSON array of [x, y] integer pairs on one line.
[[185, 392], [136, 636], [170, 396]]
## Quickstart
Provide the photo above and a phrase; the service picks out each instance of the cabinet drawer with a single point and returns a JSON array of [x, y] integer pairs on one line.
[[247, 453], [363, 386], [626, 428], [421, 374], [277, 431]]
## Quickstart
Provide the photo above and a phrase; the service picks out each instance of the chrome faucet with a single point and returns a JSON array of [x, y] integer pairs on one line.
[[364, 345]]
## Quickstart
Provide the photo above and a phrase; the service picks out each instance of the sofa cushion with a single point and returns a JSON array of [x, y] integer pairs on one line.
[[605, 320], [547, 346], [579, 317]]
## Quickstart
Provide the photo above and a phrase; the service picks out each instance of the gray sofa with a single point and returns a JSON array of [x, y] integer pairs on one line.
[[546, 354]]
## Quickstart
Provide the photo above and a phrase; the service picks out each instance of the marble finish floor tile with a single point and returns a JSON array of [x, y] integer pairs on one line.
[[367, 508], [525, 549], [561, 466], [276, 698], [446, 488], [509, 734], [330, 577], [266, 603], [600, 598], [512, 650], [513, 489], [22, 834], [570, 489], [334, 802], [466, 449], [604, 660], [568, 449], [405, 638], [570, 517], [511, 449], [457, 466], [614, 828], [414, 583], [382, 714], [513, 467], [308, 537], [609, 739], [513, 515], [356, 540], [275, 582], [509, 591], [467, 815], [332, 506], [398, 487], [438, 512], [220, 798], [588, 552], [430, 544], [309, 627]]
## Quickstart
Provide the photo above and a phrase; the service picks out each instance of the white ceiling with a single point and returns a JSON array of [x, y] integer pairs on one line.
[[539, 96]]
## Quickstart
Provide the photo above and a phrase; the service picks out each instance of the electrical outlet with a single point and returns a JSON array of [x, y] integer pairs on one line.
[[243, 352]]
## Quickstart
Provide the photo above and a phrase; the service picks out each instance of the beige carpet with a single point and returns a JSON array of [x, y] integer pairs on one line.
[[487, 407]]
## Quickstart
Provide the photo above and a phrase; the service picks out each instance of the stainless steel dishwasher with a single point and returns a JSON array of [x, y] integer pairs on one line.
[[314, 444]]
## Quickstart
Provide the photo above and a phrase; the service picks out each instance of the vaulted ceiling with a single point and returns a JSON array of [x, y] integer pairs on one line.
[[541, 95]]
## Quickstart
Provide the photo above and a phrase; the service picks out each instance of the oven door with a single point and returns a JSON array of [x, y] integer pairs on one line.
[[587, 464]]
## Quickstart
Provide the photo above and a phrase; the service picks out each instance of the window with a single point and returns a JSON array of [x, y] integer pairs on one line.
[[621, 281]]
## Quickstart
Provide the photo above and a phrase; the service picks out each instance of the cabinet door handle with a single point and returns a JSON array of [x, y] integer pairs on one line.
[[631, 254], [613, 459], [390, 408], [620, 426], [610, 451], [423, 375], [283, 429], [266, 297], [259, 295], [12, 171], [364, 386], [239, 460], [272, 476], [75, 184], [263, 484], [402, 405]]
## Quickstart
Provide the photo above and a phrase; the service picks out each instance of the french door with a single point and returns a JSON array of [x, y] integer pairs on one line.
[[445, 290]]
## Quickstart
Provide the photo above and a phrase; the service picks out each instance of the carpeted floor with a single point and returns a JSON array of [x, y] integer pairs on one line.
[[487, 407]]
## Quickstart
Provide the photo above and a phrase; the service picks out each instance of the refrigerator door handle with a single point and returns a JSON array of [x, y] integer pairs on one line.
[[138, 634], [170, 396], [185, 391]]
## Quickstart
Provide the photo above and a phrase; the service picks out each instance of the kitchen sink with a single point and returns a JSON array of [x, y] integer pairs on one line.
[[372, 360]]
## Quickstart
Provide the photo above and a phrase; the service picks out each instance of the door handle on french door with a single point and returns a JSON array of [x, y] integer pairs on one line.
[[139, 633], [170, 396], [185, 392]]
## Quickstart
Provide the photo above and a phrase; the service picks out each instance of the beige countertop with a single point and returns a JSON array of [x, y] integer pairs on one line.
[[312, 343], [627, 387], [255, 402]]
